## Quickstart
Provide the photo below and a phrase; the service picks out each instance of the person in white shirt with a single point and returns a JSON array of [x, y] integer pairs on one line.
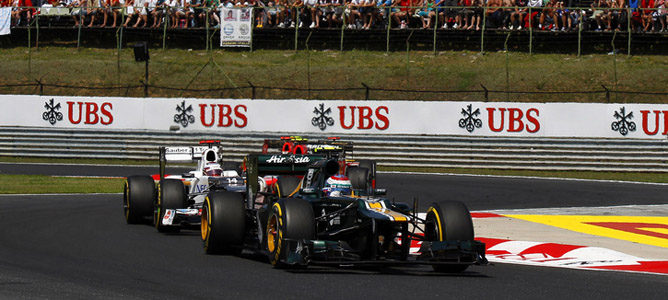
[[141, 10], [353, 13], [311, 8], [368, 12]]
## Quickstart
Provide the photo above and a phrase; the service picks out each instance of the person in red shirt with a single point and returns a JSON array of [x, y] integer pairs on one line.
[[402, 13], [25, 11], [646, 14]]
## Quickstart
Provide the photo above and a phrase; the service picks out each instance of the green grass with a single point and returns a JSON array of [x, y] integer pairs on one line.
[[448, 70], [43, 184], [78, 161], [620, 176]]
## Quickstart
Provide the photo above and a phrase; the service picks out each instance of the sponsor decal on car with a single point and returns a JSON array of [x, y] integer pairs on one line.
[[169, 217], [280, 159]]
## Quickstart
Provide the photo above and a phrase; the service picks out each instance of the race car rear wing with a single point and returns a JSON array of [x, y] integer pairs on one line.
[[211, 152], [330, 147], [260, 165], [190, 154]]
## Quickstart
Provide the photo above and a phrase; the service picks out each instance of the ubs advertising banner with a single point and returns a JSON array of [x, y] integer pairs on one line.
[[236, 28], [596, 120]]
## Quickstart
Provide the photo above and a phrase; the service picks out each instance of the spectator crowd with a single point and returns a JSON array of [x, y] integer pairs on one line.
[[553, 15]]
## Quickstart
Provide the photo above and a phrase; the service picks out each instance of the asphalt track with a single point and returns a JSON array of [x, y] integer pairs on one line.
[[78, 246]]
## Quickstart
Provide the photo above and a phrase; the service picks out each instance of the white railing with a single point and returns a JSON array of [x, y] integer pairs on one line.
[[616, 155]]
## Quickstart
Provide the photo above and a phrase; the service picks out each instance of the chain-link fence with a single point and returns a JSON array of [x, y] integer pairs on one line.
[[551, 29], [123, 77]]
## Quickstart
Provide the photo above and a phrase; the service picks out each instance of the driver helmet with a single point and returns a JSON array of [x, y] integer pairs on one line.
[[337, 186], [213, 169]]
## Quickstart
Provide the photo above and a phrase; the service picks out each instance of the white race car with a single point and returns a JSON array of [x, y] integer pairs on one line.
[[175, 201]]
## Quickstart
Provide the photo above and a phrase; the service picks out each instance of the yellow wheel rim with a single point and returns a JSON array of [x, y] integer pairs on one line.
[[205, 225], [272, 230]]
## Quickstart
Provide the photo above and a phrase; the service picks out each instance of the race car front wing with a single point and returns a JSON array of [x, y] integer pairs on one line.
[[317, 252], [184, 216]]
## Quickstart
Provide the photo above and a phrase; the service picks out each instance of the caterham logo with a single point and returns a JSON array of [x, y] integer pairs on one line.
[[469, 121], [623, 123], [183, 115], [52, 114], [321, 119]]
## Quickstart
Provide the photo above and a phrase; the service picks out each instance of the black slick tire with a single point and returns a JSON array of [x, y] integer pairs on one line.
[[223, 222], [138, 194], [289, 219], [359, 177], [171, 195], [371, 166], [449, 221], [287, 186]]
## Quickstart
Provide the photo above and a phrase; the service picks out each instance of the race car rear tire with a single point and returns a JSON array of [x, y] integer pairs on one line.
[[223, 222], [138, 194], [171, 195], [371, 166], [287, 186], [290, 219], [449, 221], [359, 177]]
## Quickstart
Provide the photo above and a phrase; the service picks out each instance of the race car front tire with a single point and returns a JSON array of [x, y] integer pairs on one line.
[[223, 222], [138, 193], [449, 221], [290, 219], [171, 195]]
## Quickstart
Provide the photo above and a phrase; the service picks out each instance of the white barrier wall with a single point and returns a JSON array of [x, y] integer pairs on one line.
[[342, 116]]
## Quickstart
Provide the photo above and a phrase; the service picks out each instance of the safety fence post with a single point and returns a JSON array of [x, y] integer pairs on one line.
[[29, 51], [607, 93], [387, 37], [37, 33], [408, 49], [435, 27], [531, 32], [308, 64], [505, 47], [297, 27], [343, 27], [486, 92], [206, 25], [81, 20], [580, 35], [366, 92], [252, 89], [628, 29], [41, 87], [482, 32], [164, 28], [614, 60]]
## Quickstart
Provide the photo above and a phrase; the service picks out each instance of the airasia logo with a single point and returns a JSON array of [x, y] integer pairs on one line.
[[352, 117]]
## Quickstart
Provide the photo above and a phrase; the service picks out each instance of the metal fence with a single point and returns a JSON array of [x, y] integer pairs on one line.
[[250, 91], [558, 154], [581, 37]]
